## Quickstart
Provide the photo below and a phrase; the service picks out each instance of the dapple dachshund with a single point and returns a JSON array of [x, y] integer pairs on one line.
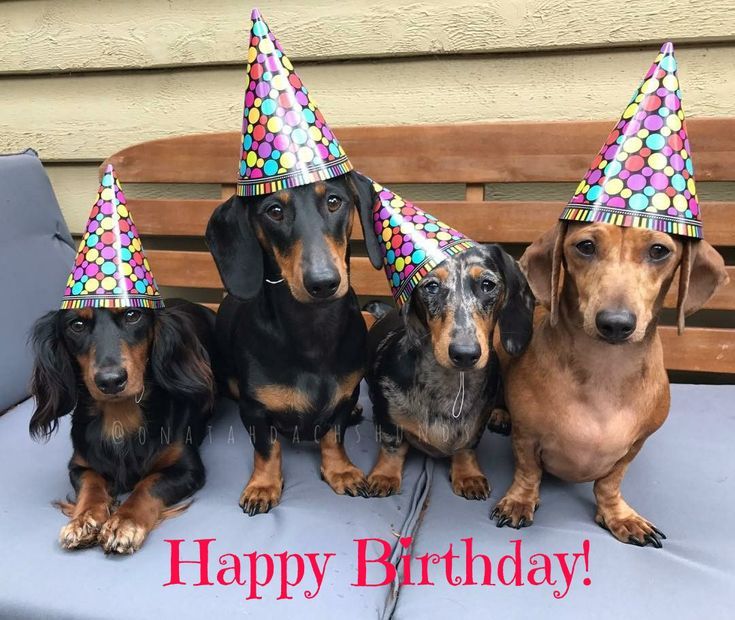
[[432, 373], [140, 388], [592, 385], [290, 329]]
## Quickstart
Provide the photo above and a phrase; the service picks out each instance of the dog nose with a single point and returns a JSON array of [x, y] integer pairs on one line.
[[111, 381], [615, 325], [464, 355], [323, 284]]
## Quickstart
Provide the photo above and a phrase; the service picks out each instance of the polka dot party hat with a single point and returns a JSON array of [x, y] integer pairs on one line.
[[110, 270], [285, 140], [643, 176], [413, 242]]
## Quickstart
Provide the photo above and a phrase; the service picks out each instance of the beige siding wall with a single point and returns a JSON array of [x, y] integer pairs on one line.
[[80, 80]]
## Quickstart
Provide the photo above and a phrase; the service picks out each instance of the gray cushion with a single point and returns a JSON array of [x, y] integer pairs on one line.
[[40, 580], [682, 481], [36, 254]]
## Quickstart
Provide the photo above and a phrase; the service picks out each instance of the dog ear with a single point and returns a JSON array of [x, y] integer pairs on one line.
[[363, 189], [53, 381], [179, 362], [412, 313], [542, 265], [701, 272], [235, 249], [516, 314]]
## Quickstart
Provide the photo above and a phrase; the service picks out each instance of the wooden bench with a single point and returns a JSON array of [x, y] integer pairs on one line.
[[471, 155]]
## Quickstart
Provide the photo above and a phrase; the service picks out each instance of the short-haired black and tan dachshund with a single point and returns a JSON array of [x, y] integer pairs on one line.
[[141, 389], [433, 375], [291, 331]]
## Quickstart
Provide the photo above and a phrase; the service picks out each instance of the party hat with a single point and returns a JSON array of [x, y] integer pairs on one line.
[[110, 270], [643, 176], [413, 242], [285, 140]]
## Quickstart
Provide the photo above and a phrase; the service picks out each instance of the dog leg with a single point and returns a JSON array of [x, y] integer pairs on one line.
[[517, 507], [615, 515], [175, 475], [387, 474], [91, 510], [466, 477], [263, 490]]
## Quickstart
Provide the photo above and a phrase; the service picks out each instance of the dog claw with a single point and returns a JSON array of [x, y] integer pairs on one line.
[[659, 533], [653, 541]]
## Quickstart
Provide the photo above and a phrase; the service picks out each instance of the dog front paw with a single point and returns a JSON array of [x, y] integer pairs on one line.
[[82, 531], [514, 513], [471, 486], [349, 481], [122, 535], [259, 498], [499, 421], [383, 485], [632, 529]]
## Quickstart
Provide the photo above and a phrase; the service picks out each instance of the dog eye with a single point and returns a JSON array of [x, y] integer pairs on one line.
[[77, 326], [133, 316], [487, 285], [432, 288], [275, 212], [334, 203], [658, 252], [586, 247]]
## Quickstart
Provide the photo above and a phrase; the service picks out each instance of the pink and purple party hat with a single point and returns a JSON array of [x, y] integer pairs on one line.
[[643, 176], [110, 270], [413, 242], [285, 140]]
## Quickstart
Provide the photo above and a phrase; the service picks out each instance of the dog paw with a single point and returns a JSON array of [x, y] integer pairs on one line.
[[259, 498], [499, 421], [122, 535], [514, 513], [632, 529], [381, 485], [471, 487], [350, 481], [81, 531]]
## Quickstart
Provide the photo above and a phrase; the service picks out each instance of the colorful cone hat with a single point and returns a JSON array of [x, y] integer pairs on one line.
[[285, 140], [110, 270], [413, 242], [643, 176]]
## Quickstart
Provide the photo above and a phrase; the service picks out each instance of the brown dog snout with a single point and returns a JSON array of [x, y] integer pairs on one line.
[[615, 325]]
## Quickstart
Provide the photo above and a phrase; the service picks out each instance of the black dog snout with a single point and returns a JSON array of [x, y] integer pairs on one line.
[[322, 284], [615, 325], [111, 381], [464, 354]]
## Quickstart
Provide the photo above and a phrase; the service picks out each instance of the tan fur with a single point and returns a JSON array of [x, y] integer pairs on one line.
[[133, 358], [338, 252], [441, 337], [337, 469], [283, 398], [387, 474], [320, 189], [345, 387], [88, 514], [291, 266], [263, 490], [581, 408], [120, 418], [467, 477], [234, 387]]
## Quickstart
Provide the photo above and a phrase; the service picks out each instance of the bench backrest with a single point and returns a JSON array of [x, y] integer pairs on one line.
[[472, 156]]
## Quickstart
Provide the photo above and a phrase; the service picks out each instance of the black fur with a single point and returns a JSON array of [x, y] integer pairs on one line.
[[176, 403]]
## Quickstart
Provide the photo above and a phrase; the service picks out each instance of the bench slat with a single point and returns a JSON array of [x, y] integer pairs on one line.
[[496, 221], [500, 153], [197, 270]]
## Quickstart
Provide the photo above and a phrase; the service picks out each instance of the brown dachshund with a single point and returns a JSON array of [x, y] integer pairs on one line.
[[592, 386]]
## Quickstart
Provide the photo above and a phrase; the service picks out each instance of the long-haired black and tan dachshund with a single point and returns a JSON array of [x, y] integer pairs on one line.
[[592, 385], [140, 386], [432, 373], [291, 331]]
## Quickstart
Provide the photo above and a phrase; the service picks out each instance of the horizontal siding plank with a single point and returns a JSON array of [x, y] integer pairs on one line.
[[497, 221], [699, 349], [197, 270], [86, 117], [86, 35]]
